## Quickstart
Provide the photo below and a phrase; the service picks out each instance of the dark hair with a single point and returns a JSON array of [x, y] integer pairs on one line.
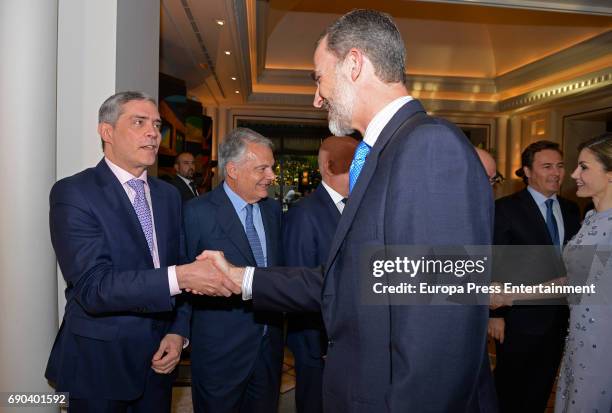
[[176, 158], [112, 107], [601, 146], [529, 154], [375, 34]]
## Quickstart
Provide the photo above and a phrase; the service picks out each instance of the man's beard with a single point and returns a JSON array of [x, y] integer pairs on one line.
[[340, 112]]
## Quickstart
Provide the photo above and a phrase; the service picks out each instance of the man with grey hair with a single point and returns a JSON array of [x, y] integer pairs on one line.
[[117, 235], [415, 180], [236, 355]]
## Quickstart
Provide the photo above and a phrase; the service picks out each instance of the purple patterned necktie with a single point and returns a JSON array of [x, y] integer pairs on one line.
[[141, 206]]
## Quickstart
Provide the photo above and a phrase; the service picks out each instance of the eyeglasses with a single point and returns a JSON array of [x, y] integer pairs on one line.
[[496, 179]]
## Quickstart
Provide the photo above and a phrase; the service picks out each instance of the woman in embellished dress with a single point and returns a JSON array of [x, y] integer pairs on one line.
[[585, 381]]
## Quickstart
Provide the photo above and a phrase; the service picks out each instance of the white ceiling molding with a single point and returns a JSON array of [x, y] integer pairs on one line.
[[579, 54], [469, 85], [600, 7], [459, 48], [583, 84], [442, 105]]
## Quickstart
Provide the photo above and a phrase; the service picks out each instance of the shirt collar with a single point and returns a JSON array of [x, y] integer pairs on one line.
[[122, 175], [538, 197], [235, 199], [335, 196], [187, 181], [380, 120]]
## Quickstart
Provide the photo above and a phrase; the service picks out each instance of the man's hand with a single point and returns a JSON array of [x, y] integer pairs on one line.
[[497, 325], [168, 354], [500, 299], [204, 277], [233, 273], [236, 274]]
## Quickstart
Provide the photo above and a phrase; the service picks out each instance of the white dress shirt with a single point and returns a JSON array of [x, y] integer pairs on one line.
[[380, 120]]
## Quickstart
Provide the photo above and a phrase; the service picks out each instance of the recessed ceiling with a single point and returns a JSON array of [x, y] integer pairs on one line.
[[272, 42]]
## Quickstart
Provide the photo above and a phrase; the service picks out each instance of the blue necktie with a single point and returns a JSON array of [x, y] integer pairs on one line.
[[551, 223], [361, 153], [143, 212], [253, 238]]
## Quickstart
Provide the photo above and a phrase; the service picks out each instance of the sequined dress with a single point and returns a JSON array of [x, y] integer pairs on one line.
[[585, 381]]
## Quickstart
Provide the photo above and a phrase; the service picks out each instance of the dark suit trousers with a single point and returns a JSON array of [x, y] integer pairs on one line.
[[525, 374], [252, 395], [157, 398], [308, 367]]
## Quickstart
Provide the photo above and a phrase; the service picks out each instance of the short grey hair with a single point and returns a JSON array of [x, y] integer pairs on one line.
[[375, 34], [112, 107], [233, 147]]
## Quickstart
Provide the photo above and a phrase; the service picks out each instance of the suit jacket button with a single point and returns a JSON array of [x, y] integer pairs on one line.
[[330, 343]]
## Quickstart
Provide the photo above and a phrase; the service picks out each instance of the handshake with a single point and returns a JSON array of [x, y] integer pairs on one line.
[[210, 274], [500, 299]]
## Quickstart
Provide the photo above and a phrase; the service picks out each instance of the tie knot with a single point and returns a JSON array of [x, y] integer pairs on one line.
[[249, 209], [137, 185], [549, 203]]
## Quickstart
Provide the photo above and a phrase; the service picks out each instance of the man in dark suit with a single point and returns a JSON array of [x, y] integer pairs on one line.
[[530, 339], [415, 180], [236, 353], [184, 165], [117, 236], [308, 230]]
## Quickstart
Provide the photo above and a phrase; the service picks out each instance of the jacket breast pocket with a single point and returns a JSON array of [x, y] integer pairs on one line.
[[93, 329]]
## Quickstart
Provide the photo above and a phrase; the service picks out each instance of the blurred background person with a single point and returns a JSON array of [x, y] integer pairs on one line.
[[530, 338], [184, 164], [236, 353], [308, 230]]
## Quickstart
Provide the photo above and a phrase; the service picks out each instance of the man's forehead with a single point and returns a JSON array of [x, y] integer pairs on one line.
[[140, 108], [548, 155], [322, 53]]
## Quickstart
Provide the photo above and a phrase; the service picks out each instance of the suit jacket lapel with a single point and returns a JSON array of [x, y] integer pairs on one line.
[[534, 216], [348, 215], [327, 203], [271, 230], [229, 221], [161, 222], [119, 201]]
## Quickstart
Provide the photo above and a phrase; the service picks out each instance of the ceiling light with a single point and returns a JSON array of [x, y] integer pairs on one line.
[[234, 78], [220, 22], [227, 52], [236, 91]]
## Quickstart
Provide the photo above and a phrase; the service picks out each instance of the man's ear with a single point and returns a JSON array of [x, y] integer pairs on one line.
[[527, 171], [231, 170], [354, 60], [329, 165], [105, 130]]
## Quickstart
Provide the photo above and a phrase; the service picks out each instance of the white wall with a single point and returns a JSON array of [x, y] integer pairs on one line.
[[28, 320]]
